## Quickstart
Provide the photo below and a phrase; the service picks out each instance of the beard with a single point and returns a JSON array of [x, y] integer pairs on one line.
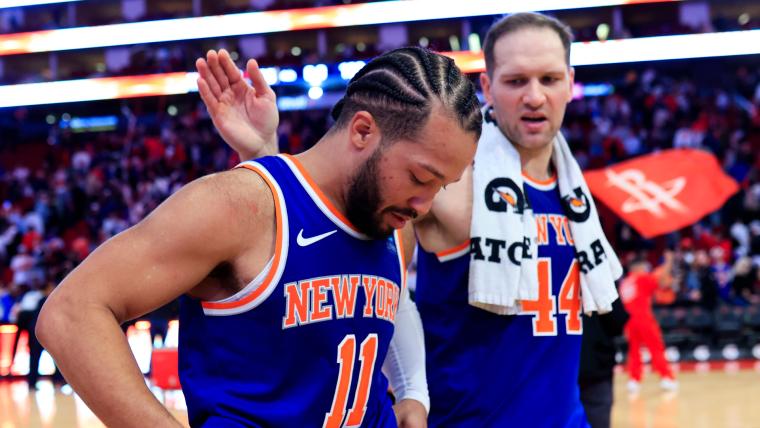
[[363, 199]]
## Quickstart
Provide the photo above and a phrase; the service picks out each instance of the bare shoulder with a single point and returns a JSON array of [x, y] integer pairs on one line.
[[222, 210], [238, 194], [237, 185]]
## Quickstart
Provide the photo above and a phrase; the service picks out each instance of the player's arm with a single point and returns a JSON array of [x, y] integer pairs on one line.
[[649, 282], [245, 114], [137, 271], [409, 241], [613, 322], [447, 224], [404, 366]]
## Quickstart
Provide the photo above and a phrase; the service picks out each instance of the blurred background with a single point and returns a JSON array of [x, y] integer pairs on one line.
[[100, 121]]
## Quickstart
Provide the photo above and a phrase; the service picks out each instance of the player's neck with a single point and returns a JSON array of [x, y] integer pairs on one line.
[[327, 171], [536, 163]]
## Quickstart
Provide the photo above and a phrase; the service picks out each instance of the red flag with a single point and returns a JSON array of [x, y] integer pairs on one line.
[[663, 192]]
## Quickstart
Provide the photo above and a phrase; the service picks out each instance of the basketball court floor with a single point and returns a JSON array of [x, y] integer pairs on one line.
[[724, 397]]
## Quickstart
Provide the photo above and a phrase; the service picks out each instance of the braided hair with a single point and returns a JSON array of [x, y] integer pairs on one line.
[[399, 89]]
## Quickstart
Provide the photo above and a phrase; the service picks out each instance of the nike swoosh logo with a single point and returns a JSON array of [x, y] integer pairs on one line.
[[305, 242]]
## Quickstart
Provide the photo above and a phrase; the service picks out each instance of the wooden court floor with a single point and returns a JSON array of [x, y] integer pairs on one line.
[[704, 400], [715, 399]]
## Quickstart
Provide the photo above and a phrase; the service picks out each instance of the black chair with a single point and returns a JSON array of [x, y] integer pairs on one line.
[[728, 325], [674, 331], [699, 323], [667, 320], [752, 325]]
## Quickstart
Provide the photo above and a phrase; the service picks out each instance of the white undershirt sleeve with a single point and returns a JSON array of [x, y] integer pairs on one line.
[[405, 363]]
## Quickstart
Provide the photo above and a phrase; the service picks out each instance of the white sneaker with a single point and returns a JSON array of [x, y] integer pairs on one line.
[[669, 384], [633, 386]]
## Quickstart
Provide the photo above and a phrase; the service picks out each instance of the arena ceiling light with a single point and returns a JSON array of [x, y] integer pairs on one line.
[[592, 53], [18, 3], [278, 21], [642, 49], [104, 88]]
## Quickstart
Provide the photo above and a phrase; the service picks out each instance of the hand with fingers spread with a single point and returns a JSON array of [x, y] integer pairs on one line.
[[245, 114]]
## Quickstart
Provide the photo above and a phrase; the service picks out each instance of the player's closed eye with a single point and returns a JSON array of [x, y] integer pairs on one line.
[[419, 182], [416, 180]]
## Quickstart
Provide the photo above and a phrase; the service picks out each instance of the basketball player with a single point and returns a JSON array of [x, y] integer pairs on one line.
[[290, 267], [636, 291], [495, 370]]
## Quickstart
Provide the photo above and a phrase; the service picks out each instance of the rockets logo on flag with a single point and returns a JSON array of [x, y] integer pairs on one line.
[[663, 192]]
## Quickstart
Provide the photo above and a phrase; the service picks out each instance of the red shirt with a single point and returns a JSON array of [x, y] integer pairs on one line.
[[636, 291]]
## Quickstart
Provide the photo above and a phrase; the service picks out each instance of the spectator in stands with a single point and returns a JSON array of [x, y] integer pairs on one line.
[[22, 265], [740, 233], [746, 277], [667, 288], [722, 273], [35, 348], [754, 228], [708, 285], [7, 300], [23, 311]]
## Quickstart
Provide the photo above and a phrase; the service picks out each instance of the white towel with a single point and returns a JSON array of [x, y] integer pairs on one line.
[[506, 272]]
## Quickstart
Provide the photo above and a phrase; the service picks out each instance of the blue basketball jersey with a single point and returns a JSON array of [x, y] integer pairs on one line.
[[302, 345], [488, 370]]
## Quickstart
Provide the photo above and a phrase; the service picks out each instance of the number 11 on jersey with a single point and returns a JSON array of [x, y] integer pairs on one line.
[[346, 358]]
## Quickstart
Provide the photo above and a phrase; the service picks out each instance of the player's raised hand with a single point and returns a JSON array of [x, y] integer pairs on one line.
[[245, 114]]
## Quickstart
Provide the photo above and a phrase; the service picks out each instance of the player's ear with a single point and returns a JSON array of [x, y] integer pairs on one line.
[[485, 84], [363, 131], [570, 82]]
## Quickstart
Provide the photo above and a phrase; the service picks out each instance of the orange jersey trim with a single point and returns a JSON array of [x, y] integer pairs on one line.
[[321, 195], [277, 251], [551, 180], [401, 257], [452, 250]]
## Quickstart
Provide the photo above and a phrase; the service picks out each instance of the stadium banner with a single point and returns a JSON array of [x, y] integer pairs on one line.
[[663, 192]]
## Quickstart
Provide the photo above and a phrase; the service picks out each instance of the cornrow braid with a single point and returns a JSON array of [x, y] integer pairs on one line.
[[400, 88]]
